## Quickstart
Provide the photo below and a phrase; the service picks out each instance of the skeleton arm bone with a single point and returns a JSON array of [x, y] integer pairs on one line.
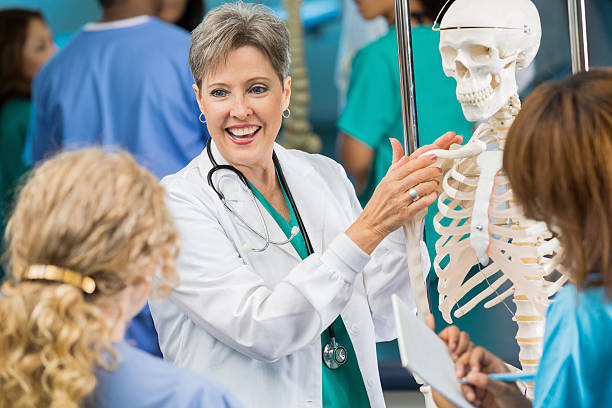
[[412, 232], [446, 158]]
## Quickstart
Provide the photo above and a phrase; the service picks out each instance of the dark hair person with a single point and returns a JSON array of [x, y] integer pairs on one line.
[[26, 44], [186, 14], [558, 161]]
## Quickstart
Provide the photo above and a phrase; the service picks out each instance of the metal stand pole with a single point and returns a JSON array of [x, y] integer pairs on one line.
[[406, 69], [578, 35], [413, 231]]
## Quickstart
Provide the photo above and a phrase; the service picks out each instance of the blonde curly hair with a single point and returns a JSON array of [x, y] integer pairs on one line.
[[96, 213]]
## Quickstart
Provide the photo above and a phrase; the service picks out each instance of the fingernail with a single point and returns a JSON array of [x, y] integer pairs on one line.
[[454, 357], [433, 157], [470, 396], [458, 371]]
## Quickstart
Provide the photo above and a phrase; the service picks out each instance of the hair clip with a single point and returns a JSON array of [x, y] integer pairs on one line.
[[53, 273]]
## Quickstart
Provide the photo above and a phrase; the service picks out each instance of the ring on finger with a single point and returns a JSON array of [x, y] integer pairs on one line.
[[413, 194]]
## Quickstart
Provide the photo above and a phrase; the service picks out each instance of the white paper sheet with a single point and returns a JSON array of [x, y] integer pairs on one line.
[[425, 355]]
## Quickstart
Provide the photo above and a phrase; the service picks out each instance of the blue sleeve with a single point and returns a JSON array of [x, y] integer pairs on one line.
[[27, 148], [556, 381], [44, 132], [562, 366]]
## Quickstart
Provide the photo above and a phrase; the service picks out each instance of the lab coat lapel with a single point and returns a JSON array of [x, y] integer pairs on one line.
[[238, 197], [305, 185]]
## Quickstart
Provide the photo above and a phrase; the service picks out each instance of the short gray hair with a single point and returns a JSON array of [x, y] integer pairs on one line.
[[234, 25]]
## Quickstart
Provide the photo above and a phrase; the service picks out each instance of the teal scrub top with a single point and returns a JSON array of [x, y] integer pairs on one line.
[[342, 387], [14, 117], [576, 366], [373, 111]]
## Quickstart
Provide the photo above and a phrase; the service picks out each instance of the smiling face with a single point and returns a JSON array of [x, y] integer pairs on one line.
[[243, 101]]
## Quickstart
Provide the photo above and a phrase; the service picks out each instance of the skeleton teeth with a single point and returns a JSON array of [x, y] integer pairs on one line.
[[243, 131], [475, 97]]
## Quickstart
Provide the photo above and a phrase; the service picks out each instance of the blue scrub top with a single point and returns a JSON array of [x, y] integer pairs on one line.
[[127, 87], [141, 380], [576, 366]]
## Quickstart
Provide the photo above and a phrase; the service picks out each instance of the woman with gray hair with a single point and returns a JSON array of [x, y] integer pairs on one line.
[[285, 282]]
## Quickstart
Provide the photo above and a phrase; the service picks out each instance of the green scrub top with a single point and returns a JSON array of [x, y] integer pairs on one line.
[[14, 117], [373, 111], [373, 114], [342, 387]]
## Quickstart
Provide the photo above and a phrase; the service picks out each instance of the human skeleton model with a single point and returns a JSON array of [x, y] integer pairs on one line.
[[483, 43], [297, 131]]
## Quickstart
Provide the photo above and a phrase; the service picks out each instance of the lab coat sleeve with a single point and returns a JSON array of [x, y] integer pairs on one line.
[[387, 274], [228, 299]]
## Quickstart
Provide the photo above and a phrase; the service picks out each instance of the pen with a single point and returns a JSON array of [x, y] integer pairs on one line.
[[509, 377]]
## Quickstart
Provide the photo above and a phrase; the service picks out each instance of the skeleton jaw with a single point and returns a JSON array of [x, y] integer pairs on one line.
[[481, 99], [475, 97]]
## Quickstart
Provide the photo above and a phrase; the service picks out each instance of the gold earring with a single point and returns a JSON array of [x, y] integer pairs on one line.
[[287, 113], [200, 117]]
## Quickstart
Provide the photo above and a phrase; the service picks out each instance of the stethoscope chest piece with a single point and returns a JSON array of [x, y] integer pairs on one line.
[[334, 355]]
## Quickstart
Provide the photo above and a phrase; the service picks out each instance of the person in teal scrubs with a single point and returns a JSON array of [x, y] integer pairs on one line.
[[26, 43], [373, 111], [557, 159]]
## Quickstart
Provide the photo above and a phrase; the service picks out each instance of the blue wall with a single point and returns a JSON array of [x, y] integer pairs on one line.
[[56, 12]]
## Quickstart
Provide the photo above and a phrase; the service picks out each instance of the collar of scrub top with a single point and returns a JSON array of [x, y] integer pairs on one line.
[[111, 25]]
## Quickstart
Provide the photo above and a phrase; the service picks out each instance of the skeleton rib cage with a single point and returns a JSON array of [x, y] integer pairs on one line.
[[523, 254]]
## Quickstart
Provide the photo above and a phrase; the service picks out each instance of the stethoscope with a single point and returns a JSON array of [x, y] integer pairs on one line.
[[334, 355]]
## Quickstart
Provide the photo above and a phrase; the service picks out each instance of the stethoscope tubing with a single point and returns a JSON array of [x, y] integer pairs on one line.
[[266, 237]]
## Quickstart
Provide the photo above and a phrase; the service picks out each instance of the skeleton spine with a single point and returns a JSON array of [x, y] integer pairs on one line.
[[297, 131], [530, 322]]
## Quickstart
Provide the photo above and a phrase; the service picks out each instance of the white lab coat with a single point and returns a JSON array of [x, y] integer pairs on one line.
[[253, 321]]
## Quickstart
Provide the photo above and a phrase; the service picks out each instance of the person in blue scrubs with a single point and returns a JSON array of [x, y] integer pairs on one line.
[[124, 82], [557, 159], [89, 231]]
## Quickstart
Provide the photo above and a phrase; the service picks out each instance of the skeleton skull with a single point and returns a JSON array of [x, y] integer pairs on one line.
[[483, 43]]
